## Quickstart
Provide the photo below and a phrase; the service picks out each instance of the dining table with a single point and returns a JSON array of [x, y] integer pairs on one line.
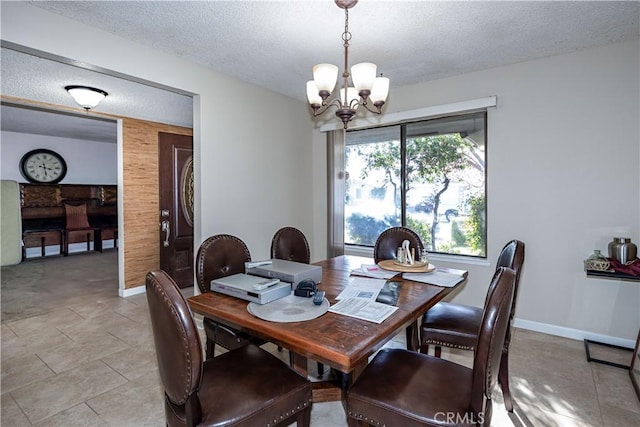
[[341, 342]]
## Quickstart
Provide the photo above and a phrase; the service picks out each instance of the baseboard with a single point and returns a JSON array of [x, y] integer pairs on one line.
[[73, 248], [575, 334], [132, 291]]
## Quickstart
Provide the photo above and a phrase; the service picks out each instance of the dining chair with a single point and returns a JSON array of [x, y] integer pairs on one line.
[[246, 386], [291, 244], [455, 325], [77, 222], [388, 242], [222, 255], [406, 388]]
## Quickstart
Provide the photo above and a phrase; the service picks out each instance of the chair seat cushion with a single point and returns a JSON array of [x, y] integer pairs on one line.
[[451, 325], [269, 384], [405, 388]]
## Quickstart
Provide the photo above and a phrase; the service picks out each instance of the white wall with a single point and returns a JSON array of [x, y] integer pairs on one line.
[[563, 176], [252, 147], [88, 162]]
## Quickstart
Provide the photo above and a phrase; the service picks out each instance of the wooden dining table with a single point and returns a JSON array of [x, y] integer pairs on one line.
[[344, 343]]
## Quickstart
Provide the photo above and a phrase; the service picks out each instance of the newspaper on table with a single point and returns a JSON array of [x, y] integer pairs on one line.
[[364, 309], [358, 299], [372, 270], [362, 287], [440, 277]]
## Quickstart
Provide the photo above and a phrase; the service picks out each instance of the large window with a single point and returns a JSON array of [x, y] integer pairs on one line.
[[427, 175]]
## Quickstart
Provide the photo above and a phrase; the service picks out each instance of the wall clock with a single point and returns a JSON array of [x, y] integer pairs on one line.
[[43, 166]]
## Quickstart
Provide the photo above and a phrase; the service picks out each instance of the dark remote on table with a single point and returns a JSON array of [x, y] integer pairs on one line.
[[318, 297]]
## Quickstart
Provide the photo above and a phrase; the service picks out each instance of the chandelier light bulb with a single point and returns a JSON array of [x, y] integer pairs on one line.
[[363, 76], [380, 90], [352, 97], [325, 76], [313, 95]]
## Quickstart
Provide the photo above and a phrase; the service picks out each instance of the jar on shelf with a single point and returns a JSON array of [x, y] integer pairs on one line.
[[622, 250], [597, 261]]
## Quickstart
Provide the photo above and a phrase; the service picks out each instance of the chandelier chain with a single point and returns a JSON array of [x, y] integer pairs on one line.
[[346, 36]]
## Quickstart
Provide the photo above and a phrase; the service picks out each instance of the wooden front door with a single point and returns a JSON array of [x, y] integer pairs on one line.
[[176, 206]]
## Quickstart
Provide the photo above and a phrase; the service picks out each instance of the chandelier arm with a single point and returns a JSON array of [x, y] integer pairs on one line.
[[325, 106], [377, 110]]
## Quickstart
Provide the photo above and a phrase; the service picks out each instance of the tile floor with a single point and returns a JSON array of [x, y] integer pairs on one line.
[[75, 354]]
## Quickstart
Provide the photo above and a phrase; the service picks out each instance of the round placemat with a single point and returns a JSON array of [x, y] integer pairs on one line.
[[288, 309], [392, 265]]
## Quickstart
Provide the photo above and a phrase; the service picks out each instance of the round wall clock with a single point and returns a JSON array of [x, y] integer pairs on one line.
[[43, 166]]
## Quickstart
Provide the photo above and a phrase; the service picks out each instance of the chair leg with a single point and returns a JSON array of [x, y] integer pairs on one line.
[[320, 369], [438, 351], [303, 418], [210, 349], [352, 422], [503, 379]]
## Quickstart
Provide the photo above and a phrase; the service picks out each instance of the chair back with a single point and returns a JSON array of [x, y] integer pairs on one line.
[[76, 216], [176, 338], [290, 244], [220, 255], [512, 256], [391, 239], [492, 333]]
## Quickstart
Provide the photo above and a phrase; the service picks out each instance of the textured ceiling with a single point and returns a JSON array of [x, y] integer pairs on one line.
[[275, 44]]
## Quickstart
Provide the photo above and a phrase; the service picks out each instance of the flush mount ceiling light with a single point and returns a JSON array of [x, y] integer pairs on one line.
[[367, 89], [86, 97]]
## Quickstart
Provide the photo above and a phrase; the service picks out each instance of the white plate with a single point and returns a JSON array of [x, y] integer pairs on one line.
[[289, 309]]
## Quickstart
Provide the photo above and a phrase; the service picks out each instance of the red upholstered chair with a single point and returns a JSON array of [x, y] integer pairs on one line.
[[77, 223], [406, 388], [220, 256], [456, 325], [388, 242], [247, 386]]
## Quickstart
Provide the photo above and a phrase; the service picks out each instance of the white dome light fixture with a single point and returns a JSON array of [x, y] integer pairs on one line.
[[86, 97], [367, 89]]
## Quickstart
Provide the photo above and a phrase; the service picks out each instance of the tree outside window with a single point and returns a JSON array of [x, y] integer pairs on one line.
[[428, 176]]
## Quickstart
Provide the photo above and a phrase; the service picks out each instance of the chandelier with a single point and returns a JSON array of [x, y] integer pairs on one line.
[[368, 90]]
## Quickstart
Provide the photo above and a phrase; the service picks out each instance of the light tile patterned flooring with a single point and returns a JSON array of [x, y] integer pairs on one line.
[[75, 354]]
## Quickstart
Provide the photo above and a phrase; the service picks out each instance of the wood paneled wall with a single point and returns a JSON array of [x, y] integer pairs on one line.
[[141, 197]]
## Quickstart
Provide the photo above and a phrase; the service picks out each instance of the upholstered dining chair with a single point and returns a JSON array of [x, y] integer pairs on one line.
[[247, 386], [290, 244], [388, 242], [222, 255], [77, 223], [405, 388], [456, 325]]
